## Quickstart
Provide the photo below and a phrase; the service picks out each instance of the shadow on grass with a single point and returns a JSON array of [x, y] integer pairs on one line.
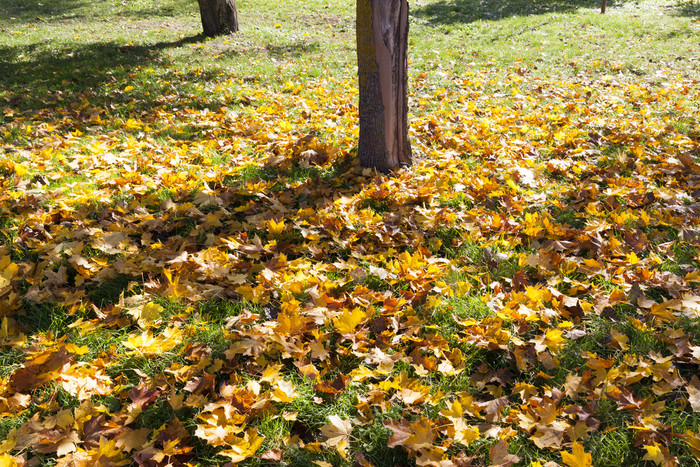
[[295, 49], [469, 11], [31, 10], [687, 8], [26, 11], [64, 80]]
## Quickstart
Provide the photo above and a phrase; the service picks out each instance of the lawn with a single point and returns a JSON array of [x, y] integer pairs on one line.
[[195, 270]]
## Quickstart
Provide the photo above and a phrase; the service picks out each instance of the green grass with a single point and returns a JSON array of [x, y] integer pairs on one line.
[[564, 38]]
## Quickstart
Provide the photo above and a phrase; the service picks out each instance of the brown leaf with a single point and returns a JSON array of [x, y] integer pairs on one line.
[[38, 369], [174, 431], [143, 396], [401, 431], [336, 386], [500, 457], [694, 393], [201, 385], [273, 455]]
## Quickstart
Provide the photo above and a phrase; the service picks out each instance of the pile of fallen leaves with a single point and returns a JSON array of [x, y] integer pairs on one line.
[[568, 210]]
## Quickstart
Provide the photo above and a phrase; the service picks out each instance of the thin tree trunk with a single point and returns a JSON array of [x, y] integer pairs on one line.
[[218, 16], [602, 6], [382, 44]]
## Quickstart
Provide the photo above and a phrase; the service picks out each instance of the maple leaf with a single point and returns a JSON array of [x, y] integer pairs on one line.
[[500, 456], [275, 228], [40, 368], [422, 434], [245, 447], [694, 393], [659, 454], [693, 441], [349, 320], [8, 270], [130, 439], [148, 344], [464, 433], [147, 315], [338, 434], [401, 431], [143, 396], [577, 457], [336, 386], [549, 436], [200, 385], [284, 391], [107, 452]]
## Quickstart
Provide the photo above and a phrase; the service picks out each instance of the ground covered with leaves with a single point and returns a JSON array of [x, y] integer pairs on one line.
[[194, 270]]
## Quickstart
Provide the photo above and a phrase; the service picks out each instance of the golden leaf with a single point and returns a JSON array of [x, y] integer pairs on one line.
[[284, 391], [349, 320], [653, 454], [577, 457]]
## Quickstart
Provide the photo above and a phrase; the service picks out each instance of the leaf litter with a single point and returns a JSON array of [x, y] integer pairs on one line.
[[567, 212]]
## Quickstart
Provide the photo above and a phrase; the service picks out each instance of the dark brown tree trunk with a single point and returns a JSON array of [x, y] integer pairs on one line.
[[602, 6], [218, 16], [382, 43]]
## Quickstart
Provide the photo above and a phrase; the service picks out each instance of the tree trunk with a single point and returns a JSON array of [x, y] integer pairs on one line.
[[602, 6], [218, 16], [382, 43]]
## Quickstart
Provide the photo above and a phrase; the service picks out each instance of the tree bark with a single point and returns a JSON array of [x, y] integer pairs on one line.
[[382, 44], [602, 6], [218, 16]]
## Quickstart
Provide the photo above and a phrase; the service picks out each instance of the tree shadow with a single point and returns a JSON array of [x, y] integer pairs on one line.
[[46, 10], [61, 81], [31, 10], [295, 49], [687, 8], [469, 11]]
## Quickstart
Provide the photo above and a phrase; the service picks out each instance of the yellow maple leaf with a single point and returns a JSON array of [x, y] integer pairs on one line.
[[8, 270], [464, 433], [243, 448], [7, 460], [284, 392], [653, 454], [271, 373], [452, 410], [577, 457], [348, 320], [148, 344], [20, 170], [554, 339], [422, 434], [246, 291], [146, 315], [275, 228], [108, 450]]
